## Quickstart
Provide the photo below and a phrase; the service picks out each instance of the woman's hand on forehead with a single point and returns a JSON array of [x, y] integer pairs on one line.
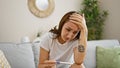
[[76, 17], [79, 20]]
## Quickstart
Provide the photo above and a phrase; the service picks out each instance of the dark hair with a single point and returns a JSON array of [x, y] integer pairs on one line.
[[64, 19]]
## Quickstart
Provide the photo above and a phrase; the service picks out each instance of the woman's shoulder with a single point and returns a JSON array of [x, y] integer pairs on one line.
[[48, 35], [74, 41]]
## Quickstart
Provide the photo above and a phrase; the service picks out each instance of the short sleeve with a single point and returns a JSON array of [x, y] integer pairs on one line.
[[46, 41]]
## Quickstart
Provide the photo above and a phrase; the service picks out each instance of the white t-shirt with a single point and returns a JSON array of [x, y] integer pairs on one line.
[[58, 51]]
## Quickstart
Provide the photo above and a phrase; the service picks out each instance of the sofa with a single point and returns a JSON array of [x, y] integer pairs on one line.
[[26, 55]]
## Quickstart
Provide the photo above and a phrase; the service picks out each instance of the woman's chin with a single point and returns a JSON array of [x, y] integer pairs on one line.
[[68, 40]]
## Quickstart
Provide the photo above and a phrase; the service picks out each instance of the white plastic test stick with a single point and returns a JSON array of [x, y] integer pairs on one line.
[[60, 62]]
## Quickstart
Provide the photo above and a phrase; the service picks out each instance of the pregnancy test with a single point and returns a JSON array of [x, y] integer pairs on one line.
[[60, 62]]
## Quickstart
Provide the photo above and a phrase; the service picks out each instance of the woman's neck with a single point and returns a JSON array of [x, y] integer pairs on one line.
[[60, 40]]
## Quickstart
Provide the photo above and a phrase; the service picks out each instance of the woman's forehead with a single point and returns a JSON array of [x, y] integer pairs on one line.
[[71, 25]]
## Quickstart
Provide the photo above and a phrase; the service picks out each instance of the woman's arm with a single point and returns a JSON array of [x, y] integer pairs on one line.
[[80, 51], [44, 59], [44, 55]]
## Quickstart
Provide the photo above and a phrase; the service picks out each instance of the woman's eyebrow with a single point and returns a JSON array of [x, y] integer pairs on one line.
[[69, 27], [72, 29]]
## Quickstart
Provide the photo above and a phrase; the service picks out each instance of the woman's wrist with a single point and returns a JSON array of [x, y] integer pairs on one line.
[[83, 34], [77, 63]]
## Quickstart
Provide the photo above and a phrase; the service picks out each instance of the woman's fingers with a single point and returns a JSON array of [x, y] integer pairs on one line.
[[50, 62], [46, 65], [79, 20], [76, 17], [80, 25], [84, 21]]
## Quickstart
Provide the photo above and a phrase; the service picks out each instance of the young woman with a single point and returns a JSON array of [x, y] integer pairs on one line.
[[60, 43]]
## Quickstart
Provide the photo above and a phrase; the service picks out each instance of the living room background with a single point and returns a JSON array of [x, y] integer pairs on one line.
[[16, 21]]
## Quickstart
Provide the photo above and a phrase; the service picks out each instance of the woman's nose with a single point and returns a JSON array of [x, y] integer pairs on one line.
[[70, 35]]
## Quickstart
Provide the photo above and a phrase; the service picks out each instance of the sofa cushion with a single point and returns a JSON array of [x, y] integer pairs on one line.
[[108, 57], [18, 55], [90, 59]]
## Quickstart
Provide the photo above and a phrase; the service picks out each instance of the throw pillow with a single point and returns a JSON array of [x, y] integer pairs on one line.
[[108, 57], [3, 61]]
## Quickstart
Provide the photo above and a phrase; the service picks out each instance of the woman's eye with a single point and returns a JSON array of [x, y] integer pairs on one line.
[[67, 29], [74, 32]]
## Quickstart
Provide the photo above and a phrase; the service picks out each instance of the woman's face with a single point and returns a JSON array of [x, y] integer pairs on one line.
[[69, 31]]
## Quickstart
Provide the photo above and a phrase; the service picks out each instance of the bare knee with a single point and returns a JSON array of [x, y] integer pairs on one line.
[[77, 66]]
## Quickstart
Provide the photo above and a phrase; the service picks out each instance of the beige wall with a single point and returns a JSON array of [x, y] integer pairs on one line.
[[16, 21], [112, 24]]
